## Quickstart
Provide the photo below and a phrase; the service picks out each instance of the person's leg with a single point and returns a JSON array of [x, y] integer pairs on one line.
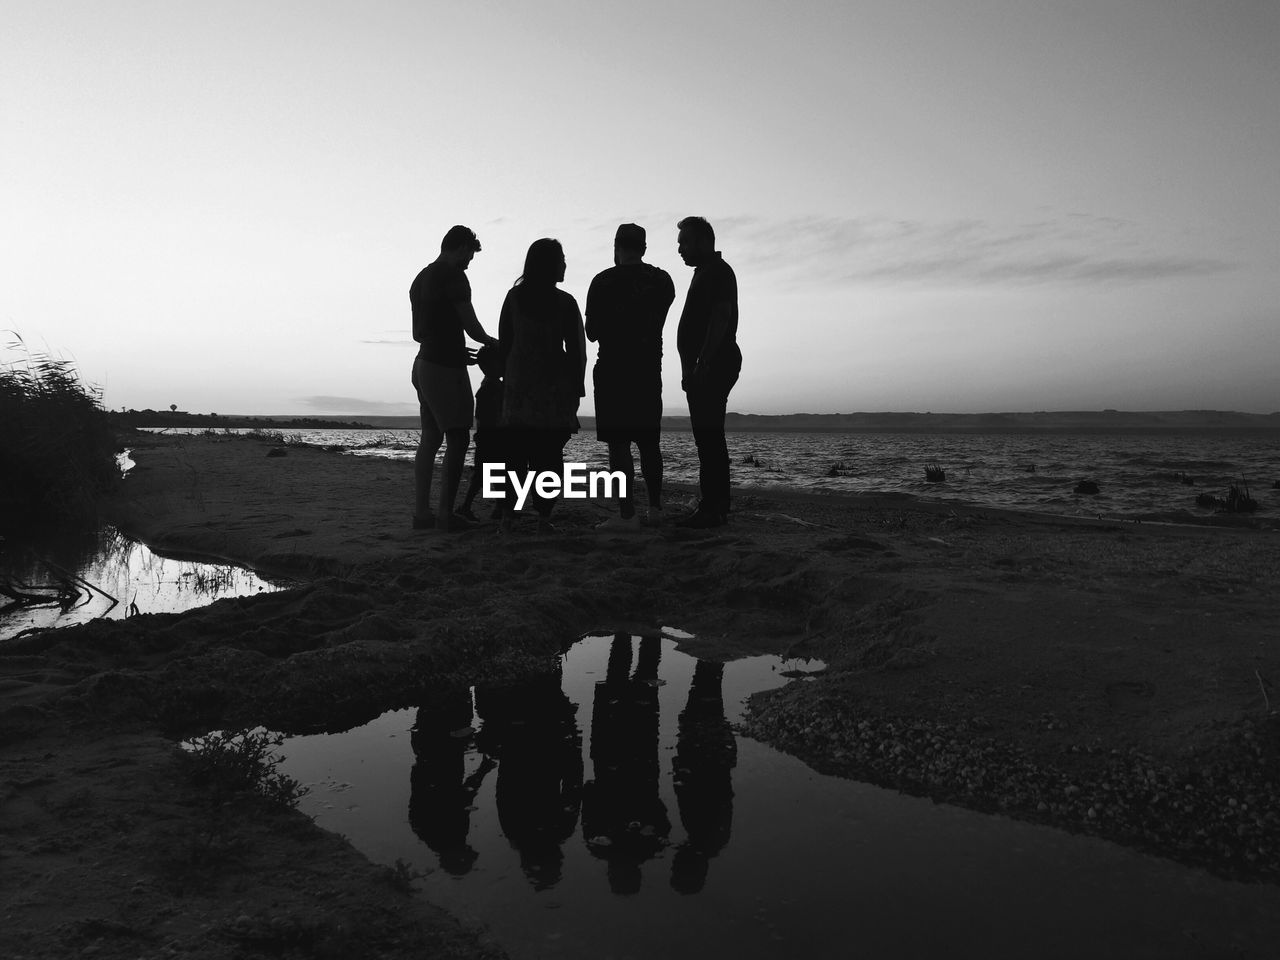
[[620, 459], [424, 461], [549, 458], [497, 450], [455, 456], [517, 463], [477, 473], [447, 391], [546, 455], [706, 416], [651, 468]]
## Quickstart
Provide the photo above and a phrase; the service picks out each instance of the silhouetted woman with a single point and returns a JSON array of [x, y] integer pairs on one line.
[[532, 729], [543, 346]]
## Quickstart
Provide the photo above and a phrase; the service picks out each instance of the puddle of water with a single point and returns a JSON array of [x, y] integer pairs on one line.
[[72, 580], [608, 811]]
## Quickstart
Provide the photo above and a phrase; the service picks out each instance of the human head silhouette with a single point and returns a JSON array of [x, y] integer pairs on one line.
[[489, 360], [544, 263], [460, 238], [696, 240], [459, 245]]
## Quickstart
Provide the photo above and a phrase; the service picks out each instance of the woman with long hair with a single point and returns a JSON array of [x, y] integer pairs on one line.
[[541, 339]]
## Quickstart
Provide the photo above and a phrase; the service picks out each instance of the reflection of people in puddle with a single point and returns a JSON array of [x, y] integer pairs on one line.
[[440, 792], [702, 770], [624, 820], [533, 732]]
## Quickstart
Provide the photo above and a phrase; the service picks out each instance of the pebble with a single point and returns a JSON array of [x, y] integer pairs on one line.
[[1206, 823]]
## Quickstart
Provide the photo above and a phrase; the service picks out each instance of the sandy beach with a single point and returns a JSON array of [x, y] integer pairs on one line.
[[1103, 677]]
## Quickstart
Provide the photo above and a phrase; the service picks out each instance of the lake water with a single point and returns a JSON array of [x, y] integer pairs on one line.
[[68, 580], [1136, 474], [609, 811]]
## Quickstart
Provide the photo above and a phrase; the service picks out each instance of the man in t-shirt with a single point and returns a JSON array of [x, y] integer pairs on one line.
[[710, 362], [442, 313], [626, 309]]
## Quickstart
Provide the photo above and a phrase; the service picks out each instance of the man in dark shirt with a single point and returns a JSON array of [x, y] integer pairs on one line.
[[626, 309], [710, 362], [442, 313]]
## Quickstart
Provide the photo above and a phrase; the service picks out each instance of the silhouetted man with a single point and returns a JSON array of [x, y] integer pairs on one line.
[[624, 820], [702, 772], [710, 362], [626, 309], [442, 313]]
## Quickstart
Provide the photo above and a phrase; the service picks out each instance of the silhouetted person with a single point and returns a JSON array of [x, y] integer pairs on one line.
[[626, 309], [544, 362], [710, 362], [624, 820], [491, 437], [440, 792], [532, 729], [442, 318], [702, 770]]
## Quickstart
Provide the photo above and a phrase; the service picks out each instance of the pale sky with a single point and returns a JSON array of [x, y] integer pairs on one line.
[[945, 205]]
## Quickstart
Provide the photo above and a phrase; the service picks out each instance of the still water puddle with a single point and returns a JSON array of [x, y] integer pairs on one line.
[[66, 581], [609, 811]]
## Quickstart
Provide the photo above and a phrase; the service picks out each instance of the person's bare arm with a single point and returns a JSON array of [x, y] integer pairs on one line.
[[471, 324]]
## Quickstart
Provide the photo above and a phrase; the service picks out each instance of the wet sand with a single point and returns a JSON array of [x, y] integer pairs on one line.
[[1103, 677]]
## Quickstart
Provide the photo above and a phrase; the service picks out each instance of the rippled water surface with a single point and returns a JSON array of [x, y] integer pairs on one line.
[[1135, 473]]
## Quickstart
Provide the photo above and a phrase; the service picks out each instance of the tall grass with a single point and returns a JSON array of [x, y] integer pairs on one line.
[[56, 446]]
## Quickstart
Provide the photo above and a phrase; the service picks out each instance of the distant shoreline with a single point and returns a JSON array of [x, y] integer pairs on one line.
[[1059, 422]]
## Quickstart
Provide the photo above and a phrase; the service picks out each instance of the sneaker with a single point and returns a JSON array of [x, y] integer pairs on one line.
[[629, 524]]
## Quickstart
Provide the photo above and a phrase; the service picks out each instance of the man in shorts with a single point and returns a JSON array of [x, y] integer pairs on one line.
[[442, 313], [710, 362], [626, 309]]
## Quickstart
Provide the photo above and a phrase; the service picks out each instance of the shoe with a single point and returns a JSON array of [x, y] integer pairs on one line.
[[467, 514], [702, 519], [653, 517], [629, 524], [424, 523]]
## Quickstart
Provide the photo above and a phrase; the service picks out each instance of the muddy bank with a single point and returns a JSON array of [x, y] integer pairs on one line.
[[1103, 677]]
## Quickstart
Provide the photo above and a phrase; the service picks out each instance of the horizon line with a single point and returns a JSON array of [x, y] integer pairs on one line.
[[1112, 411]]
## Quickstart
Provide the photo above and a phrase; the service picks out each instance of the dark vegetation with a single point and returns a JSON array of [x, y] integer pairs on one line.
[[133, 419], [58, 448]]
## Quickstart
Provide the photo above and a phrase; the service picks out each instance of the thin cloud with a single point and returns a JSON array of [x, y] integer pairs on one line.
[[358, 405], [1074, 249], [390, 338]]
